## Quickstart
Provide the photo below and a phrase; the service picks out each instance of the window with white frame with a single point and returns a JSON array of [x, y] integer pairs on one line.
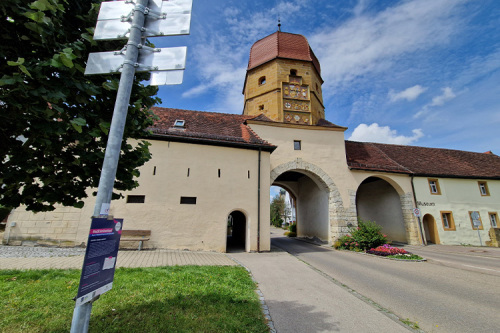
[[179, 123], [493, 220], [434, 186], [483, 188], [448, 222]]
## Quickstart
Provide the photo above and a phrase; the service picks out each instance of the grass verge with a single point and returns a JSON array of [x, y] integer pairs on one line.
[[159, 299]]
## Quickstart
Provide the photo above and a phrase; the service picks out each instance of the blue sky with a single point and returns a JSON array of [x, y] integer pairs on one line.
[[416, 72]]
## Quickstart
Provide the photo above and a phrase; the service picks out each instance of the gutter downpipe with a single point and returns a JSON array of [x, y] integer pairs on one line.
[[416, 205], [258, 203]]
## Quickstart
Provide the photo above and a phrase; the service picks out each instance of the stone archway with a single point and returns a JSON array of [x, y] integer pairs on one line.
[[378, 200], [319, 185]]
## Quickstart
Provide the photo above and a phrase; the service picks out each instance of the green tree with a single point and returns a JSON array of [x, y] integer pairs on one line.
[[277, 210], [54, 121]]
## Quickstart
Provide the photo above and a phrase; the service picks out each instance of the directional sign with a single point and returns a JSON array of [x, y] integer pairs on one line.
[[171, 58], [165, 18], [115, 10], [476, 220], [166, 78]]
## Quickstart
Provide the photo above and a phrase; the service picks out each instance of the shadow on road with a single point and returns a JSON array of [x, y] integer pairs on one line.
[[297, 245]]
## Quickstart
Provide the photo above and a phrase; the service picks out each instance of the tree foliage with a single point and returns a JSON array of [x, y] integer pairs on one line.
[[54, 121], [277, 210]]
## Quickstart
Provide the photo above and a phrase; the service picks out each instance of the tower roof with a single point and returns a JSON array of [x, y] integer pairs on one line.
[[282, 45]]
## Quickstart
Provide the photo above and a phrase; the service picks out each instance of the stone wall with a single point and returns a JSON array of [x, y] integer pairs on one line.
[[494, 237]]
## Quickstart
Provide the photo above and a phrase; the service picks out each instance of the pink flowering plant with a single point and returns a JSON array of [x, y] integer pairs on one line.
[[387, 250]]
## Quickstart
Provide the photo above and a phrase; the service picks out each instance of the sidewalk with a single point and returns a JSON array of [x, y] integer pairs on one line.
[[301, 299], [143, 258]]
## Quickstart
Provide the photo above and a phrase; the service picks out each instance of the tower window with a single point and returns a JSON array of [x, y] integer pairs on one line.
[[297, 145], [262, 80], [293, 72]]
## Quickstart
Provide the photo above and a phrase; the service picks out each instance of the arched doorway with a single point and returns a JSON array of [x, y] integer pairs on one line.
[[311, 203], [236, 232], [378, 201], [430, 229]]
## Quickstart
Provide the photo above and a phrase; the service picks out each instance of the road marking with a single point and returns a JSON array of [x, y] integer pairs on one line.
[[450, 262], [488, 269]]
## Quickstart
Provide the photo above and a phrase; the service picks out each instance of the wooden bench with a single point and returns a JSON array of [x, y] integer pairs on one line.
[[135, 236]]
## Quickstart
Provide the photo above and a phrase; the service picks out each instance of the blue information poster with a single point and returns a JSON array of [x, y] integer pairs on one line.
[[100, 258]]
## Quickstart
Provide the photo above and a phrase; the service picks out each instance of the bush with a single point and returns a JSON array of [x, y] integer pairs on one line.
[[290, 234], [365, 236], [368, 234], [277, 222], [293, 227]]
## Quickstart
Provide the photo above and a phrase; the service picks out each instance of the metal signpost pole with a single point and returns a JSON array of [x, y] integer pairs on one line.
[[81, 314]]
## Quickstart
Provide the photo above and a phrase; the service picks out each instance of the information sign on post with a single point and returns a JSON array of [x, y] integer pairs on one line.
[[135, 21], [100, 258]]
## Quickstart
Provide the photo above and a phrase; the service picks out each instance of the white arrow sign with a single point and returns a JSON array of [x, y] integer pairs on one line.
[[165, 18], [171, 58]]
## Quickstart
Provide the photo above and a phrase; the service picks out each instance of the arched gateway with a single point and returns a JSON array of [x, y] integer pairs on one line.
[[318, 198]]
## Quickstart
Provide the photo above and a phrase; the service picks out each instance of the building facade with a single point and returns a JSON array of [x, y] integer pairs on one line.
[[207, 185]]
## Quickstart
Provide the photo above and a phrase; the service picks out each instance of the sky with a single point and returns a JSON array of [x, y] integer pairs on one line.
[[411, 72]]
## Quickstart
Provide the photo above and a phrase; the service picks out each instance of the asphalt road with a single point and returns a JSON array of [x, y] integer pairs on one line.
[[439, 298], [472, 259]]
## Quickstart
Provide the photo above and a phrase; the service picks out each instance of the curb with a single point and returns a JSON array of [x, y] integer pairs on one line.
[[262, 300]]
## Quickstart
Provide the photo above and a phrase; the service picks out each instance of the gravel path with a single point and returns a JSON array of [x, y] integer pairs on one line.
[[38, 251]]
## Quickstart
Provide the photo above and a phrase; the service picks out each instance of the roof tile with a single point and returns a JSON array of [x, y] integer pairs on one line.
[[422, 161], [213, 126], [281, 45]]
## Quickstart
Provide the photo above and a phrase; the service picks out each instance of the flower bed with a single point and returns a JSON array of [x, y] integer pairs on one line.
[[387, 250], [393, 252]]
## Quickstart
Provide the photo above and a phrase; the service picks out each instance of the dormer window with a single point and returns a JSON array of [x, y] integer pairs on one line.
[[262, 80], [179, 123]]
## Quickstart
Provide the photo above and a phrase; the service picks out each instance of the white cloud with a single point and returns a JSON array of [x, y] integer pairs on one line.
[[447, 95], [439, 100], [410, 94], [383, 134], [195, 91], [373, 43]]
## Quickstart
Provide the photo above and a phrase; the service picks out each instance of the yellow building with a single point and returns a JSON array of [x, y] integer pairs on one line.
[[207, 185]]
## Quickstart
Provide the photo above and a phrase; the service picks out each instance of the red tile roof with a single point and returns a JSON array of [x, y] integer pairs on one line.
[[208, 128], [421, 161], [282, 45]]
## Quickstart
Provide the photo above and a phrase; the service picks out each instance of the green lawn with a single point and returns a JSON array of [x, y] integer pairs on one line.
[[160, 299]]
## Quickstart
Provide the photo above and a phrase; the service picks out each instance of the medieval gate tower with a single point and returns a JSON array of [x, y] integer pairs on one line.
[[283, 80]]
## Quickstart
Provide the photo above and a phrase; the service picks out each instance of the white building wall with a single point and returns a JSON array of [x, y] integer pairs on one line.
[[164, 179], [459, 196]]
